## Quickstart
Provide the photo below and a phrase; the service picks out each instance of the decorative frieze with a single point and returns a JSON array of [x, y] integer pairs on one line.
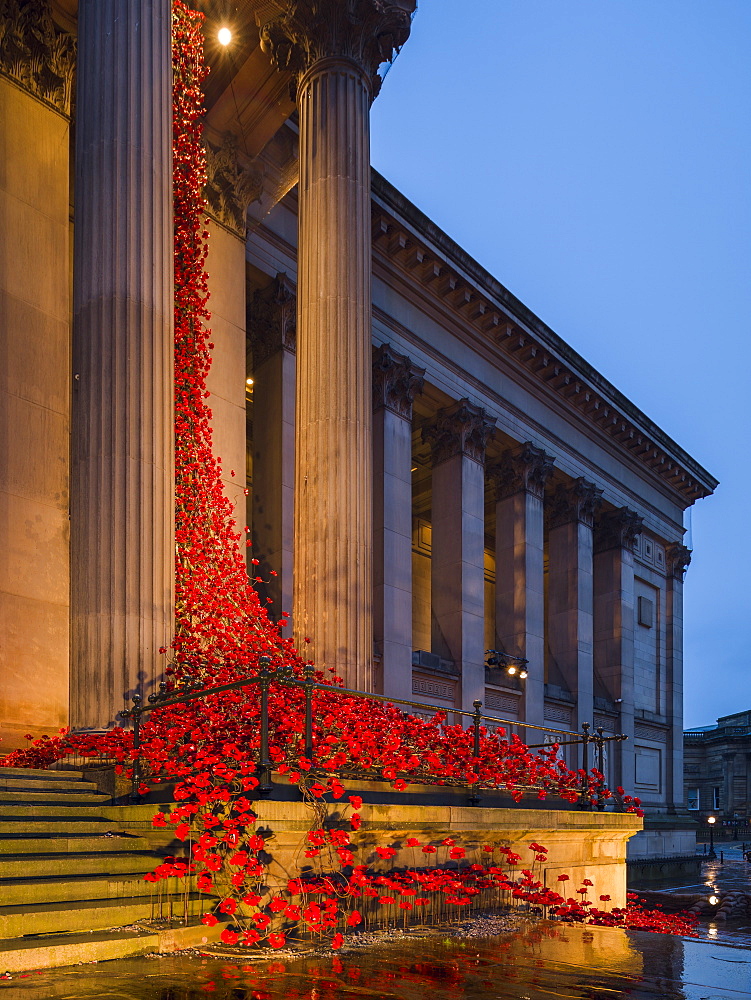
[[678, 559], [433, 689], [298, 33], [230, 187], [459, 429], [35, 53], [499, 701], [396, 381], [653, 733], [522, 469], [617, 529], [559, 714], [576, 501], [272, 320]]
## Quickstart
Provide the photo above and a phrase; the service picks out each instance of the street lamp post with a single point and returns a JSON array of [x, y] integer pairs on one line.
[[711, 820]]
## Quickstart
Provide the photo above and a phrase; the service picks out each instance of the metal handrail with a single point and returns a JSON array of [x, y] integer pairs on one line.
[[285, 675]]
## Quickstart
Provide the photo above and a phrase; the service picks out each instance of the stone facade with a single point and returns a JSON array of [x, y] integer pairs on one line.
[[431, 471]]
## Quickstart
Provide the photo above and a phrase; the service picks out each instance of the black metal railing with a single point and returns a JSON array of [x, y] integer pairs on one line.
[[286, 675]]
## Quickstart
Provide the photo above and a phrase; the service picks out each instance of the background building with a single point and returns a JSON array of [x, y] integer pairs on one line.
[[431, 471], [717, 773]]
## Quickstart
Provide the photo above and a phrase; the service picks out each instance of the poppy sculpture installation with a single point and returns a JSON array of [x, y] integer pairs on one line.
[[207, 747]]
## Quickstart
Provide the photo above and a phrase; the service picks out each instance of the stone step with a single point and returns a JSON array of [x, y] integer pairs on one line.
[[45, 865], [57, 951], [75, 916], [53, 827], [73, 797], [41, 773], [21, 785], [53, 811], [71, 845], [22, 954], [25, 891]]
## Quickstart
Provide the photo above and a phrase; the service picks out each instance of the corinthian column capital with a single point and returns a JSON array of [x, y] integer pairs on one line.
[[272, 320], [396, 381], [523, 469], [35, 53], [576, 501], [678, 558], [617, 529], [460, 429], [230, 187], [299, 33]]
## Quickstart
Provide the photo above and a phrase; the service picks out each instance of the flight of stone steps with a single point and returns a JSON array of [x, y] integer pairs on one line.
[[71, 881]]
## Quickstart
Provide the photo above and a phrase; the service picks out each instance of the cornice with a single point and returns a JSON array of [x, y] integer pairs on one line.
[[464, 287]]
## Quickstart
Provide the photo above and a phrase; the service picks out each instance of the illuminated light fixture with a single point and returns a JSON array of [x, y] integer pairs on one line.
[[523, 674], [511, 669], [225, 36], [713, 900], [414, 469], [249, 381], [512, 665]]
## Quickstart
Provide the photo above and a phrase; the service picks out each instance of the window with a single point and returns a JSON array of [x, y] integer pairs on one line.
[[693, 798], [716, 797]]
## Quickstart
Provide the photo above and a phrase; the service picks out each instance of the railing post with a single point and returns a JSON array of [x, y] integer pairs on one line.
[[264, 761], [474, 798], [308, 686], [600, 766], [585, 803]]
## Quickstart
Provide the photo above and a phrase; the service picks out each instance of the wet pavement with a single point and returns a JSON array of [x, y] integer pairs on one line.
[[542, 961], [728, 872]]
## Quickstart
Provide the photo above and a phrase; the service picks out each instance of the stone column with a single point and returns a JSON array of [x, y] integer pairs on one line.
[[334, 47], [395, 383], [457, 579], [677, 557], [728, 780], [229, 189], [570, 596], [36, 75], [520, 568], [122, 509], [272, 331], [615, 535]]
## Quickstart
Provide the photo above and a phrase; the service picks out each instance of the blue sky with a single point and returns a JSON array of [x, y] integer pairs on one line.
[[595, 156]]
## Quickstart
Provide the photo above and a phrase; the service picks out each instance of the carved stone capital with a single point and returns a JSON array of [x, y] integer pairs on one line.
[[272, 320], [678, 559], [299, 33], [229, 187], [396, 381], [576, 501], [523, 469], [35, 53], [617, 529], [459, 429]]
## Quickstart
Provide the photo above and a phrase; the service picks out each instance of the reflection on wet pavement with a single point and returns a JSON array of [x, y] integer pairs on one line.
[[544, 961], [728, 873]]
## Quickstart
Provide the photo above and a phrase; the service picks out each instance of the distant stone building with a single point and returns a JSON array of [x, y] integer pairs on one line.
[[717, 770], [431, 470]]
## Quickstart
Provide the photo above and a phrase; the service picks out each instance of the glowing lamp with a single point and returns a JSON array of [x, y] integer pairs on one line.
[[224, 36], [713, 900]]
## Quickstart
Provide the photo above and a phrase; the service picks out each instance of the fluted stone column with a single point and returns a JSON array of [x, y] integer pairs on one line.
[[334, 47], [570, 595], [614, 600], [677, 557], [520, 566], [122, 508], [272, 331], [395, 383], [457, 577]]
